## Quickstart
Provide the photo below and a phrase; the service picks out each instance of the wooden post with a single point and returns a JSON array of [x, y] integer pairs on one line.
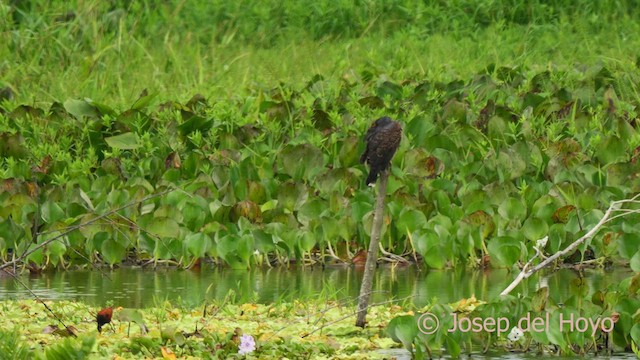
[[372, 254]]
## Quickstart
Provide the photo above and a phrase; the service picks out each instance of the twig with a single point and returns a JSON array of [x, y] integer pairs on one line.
[[354, 314], [17, 279], [78, 226], [526, 272]]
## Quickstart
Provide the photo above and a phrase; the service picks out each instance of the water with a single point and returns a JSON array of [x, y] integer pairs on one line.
[[140, 288]]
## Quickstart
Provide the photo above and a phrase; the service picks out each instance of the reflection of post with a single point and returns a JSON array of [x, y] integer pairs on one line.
[[372, 254]]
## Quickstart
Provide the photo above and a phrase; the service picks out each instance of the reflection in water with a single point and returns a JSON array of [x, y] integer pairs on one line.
[[144, 288]]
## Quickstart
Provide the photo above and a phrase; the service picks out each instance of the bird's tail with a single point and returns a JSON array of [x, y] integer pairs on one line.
[[373, 176]]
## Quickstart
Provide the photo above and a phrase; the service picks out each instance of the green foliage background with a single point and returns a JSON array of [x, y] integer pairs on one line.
[[520, 122]]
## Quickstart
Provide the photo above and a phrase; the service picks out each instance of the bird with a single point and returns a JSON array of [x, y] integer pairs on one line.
[[382, 141], [104, 317]]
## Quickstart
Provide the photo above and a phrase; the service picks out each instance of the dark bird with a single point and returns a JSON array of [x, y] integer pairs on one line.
[[383, 139], [104, 317]]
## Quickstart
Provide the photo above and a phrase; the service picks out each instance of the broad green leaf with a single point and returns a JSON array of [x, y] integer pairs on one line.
[[611, 150], [164, 227], [403, 329], [112, 251], [512, 209], [534, 228], [505, 250], [80, 108], [635, 262], [300, 161], [197, 244], [126, 141], [51, 212], [410, 220]]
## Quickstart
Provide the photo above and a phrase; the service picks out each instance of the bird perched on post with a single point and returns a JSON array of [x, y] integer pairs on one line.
[[383, 139]]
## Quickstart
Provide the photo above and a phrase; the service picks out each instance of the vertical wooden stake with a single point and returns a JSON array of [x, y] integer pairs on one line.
[[372, 254]]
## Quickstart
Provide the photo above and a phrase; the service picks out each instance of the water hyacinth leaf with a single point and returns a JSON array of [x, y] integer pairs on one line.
[[561, 215], [419, 163], [634, 263], [557, 236], [226, 246], [311, 211], [453, 347], [51, 212], [628, 245], [635, 334], [534, 228], [126, 141], [432, 248], [505, 250], [292, 195], [403, 329], [480, 218], [306, 241], [512, 209], [300, 161], [263, 241], [349, 154], [245, 248], [55, 250], [611, 150], [11, 233], [410, 220], [246, 209], [164, 227], [112, 251], [197, 244]]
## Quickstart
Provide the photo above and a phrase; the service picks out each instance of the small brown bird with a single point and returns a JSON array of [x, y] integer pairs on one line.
[[104, 317], [383, 139]]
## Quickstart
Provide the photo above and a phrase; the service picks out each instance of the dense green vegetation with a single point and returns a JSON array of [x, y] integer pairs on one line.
[[520, 122]]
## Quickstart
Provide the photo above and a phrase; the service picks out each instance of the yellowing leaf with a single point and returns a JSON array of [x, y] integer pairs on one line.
[[167, 353]]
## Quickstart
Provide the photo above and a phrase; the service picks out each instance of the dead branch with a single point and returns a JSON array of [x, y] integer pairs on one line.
[[615, 207], [70, 229], [372, 253]]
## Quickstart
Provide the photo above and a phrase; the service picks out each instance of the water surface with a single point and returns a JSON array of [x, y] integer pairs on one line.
[[131, 287]]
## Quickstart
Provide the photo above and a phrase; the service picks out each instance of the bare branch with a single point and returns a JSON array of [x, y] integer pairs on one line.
[[372, 254], [81, 225], [614, 207]]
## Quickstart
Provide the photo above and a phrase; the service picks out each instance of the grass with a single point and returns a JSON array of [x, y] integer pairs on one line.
[[111, 52]]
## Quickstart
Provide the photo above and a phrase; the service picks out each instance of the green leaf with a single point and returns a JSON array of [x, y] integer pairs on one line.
[[505, 250], [112, 251], [635, 334], [164, 227], [410, 220], [80, 108], [611, 150], [143, 101], [432, 248], [534, 228], [512, 209], [453, 347], [126, 141], [197, 244], [635, 262], [51, 212], [403, 329], [300, 161]]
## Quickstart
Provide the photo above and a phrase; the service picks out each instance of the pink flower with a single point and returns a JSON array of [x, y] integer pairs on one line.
[[247, 345]]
